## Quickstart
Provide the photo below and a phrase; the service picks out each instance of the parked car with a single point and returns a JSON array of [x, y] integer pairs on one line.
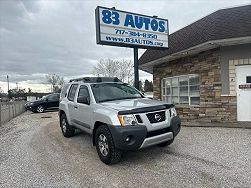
[[118, 116], [47, 102]]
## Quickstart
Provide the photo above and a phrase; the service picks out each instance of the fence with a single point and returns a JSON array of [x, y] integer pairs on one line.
[[9, 110]]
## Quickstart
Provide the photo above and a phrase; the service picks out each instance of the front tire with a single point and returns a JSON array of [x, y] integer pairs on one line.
[[105, 146], [67, 130]]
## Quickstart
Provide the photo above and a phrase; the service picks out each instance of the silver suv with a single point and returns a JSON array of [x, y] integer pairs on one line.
[[117, 116]]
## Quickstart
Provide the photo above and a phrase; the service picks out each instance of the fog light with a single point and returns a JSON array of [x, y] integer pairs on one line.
[[128, 139]]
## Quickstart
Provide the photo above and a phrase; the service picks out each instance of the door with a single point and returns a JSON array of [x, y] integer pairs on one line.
[[71, 104], [243, 88], [52, 101], [82, 111]]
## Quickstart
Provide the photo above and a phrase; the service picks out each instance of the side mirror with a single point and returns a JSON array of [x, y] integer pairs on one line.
[[83, 100], [46, 99]]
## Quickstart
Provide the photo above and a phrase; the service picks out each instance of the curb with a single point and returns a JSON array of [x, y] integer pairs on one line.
[[219, 125]]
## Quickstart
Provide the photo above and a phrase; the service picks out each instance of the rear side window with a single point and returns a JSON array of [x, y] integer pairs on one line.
[[72, 92], [64, 90]]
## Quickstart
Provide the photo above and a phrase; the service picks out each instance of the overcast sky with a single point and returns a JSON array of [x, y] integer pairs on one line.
[[58, 37]]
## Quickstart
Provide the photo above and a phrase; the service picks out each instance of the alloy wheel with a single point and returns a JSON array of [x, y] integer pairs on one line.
[[63, 124], [40, 109], [103, 145]]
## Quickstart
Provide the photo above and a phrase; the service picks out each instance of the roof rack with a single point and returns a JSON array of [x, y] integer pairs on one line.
[[95, 79]]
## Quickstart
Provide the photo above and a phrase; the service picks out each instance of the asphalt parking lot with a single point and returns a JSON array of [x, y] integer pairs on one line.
[[33, 153]]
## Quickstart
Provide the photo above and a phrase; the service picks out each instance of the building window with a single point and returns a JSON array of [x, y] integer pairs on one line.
[[181, 90], [248, 79]]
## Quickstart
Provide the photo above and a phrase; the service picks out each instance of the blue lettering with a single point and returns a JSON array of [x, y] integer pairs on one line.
[[115, 18], [146, 22], [162, 26], [106, 16], [138, 22], [154, 25], [129, 21]]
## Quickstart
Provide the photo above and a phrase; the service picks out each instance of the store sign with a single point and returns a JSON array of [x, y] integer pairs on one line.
[[245, 86], [120, 28]]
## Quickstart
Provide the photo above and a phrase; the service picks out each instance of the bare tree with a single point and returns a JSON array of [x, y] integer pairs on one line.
[[106, 67], [126, 71], [29, 90], [123, 69], [56, 82]]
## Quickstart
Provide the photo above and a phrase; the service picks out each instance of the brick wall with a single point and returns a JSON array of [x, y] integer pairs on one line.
[[213, 106]]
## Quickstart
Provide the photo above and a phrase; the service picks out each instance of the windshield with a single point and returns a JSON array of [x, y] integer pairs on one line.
[[44, 97], [114, 91]]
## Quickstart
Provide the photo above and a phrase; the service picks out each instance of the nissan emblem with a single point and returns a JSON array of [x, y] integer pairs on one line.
[[157, 117]]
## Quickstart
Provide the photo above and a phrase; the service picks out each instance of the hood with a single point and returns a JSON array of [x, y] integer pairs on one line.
[[130, 104]]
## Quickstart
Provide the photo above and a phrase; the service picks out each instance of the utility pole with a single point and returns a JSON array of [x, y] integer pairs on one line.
[[8, 87]]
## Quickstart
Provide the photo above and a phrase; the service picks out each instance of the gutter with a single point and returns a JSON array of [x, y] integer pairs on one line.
[[148, 67]]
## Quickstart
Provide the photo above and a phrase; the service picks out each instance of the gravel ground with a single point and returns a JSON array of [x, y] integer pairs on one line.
[[33, 153]]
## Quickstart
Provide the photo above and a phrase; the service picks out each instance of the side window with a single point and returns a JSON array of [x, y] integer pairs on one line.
[[83, 95], [50, 98], [72, 92], [53, 97], [83, 92], [64, 90]]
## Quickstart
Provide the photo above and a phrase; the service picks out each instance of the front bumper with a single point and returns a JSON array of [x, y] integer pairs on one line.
[[140, 138], [136, 134], [31, 108], [175, 125]]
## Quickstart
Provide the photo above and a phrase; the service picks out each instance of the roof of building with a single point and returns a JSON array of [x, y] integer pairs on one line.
[[222, 24]]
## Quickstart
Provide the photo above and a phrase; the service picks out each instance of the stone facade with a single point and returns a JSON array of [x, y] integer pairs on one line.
[[213, 107]]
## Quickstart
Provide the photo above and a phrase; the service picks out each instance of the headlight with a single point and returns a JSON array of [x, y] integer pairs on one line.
[[127, 120], [173, 112]]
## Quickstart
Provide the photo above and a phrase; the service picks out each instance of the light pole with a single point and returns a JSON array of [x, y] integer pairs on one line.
[[136, 68]]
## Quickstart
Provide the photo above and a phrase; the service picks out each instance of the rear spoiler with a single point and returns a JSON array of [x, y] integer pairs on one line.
[[146, 109]]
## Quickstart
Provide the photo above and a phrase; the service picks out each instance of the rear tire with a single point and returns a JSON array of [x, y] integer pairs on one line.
[[105, 146], [40, 109], [67, 130], [167, 143]]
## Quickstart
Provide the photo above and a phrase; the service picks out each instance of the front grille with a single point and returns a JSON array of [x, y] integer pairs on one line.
[[156, 117], [138, 118]]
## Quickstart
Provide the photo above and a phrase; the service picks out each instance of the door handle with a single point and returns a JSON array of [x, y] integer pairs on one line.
[[75, 106]]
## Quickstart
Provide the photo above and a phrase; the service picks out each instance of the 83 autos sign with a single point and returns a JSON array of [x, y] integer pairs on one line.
[[120, 28]]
